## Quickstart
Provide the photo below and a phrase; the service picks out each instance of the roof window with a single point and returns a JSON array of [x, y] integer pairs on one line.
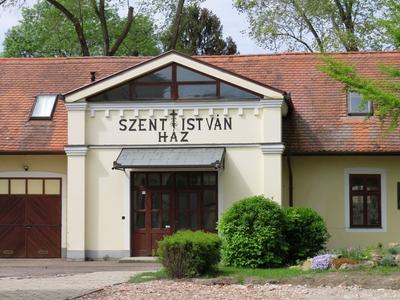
[[43, 107], [175, 82], [356, 106]]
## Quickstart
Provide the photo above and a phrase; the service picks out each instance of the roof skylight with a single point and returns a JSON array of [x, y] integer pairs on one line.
[[43, 107]]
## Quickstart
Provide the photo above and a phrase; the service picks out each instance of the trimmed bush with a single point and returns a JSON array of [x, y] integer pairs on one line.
[[252, 231], [189, 253], [306, 233]]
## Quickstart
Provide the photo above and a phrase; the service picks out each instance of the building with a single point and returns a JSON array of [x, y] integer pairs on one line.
[[101, 157]]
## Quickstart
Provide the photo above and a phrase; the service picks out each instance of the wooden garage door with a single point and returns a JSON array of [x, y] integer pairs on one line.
[[30, 217]]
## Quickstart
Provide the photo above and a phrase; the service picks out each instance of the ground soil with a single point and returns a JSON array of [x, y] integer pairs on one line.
[[363, 279]]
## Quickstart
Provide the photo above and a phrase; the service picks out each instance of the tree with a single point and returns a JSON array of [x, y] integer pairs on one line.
[[200, 33], [384, 93], [310, 25], [101, 34]]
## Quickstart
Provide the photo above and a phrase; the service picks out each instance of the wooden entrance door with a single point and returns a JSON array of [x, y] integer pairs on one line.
[[30, 225], [164, 202], [152, 214]]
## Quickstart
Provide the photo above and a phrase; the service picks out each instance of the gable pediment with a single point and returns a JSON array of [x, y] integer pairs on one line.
[[165, 60]]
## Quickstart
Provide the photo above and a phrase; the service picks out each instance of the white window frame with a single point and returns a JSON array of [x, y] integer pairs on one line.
[[358, 113], [44, 117], [382, 173]]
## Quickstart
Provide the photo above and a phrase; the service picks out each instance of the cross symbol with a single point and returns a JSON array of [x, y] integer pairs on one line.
[[173, 114]]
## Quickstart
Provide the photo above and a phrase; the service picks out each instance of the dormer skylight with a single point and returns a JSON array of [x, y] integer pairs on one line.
[[43, 107]]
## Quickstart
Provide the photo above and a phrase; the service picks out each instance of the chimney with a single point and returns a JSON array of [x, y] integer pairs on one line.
[[92, 76]]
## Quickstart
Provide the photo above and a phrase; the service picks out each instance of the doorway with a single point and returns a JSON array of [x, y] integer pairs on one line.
[[164, 202]]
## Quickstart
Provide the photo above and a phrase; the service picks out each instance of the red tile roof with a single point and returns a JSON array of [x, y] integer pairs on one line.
[[317, 124]]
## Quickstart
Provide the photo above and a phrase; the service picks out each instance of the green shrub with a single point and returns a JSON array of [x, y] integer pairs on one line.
[[387, 261], [393, 250], [252, 232], [306, 233], [189, 253]]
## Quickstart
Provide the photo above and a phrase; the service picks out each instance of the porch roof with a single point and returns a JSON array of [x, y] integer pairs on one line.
[[136, 158]]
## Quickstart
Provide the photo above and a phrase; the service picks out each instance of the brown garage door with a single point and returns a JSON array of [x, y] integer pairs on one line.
[[30, 217]]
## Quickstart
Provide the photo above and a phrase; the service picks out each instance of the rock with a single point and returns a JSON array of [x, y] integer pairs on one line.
[[393, 245], [368, 264], [376, 258], [307, 265], [397, 259], [349, 266]]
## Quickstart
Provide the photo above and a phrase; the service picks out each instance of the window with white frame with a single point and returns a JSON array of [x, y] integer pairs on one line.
[[43, 107], [356, 106]]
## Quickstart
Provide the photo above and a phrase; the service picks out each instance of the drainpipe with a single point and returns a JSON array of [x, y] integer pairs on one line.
[[290, 175]]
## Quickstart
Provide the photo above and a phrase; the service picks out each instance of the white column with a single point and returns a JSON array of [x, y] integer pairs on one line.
[[272, 154], [272, 148], [76, 202]]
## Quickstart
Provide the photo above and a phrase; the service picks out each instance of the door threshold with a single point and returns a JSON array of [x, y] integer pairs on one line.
[[139, 259]]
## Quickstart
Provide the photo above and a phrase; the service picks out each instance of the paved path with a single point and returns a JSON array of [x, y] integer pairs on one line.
[[58, 279]]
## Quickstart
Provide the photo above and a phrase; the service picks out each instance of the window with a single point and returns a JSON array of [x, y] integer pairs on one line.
[[356, 106], [365, 200], [174, 82], [43, 107]]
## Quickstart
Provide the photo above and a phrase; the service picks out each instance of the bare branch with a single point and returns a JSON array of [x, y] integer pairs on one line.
[[124, 32], [100, 12], [177, 22], [77, 25], [309, 25]]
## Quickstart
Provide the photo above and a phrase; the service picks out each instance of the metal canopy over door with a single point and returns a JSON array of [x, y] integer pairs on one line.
[[164, 202], [30, 217]]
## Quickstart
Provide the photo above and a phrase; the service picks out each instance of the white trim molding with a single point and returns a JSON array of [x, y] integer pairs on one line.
[[272, 103], [210, 106], [277, 148], [381, 172], [76, 106], [76, 150]]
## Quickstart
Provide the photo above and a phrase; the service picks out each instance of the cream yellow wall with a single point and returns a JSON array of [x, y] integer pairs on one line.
[[243, 174], [319, 183], [106, 196], [107, 193], [36, 163]]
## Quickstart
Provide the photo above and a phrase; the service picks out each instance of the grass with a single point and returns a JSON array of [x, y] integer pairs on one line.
[[237, 274], [148, 276]]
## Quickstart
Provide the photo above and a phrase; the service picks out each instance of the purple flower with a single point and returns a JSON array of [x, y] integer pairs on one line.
[[321, 262]]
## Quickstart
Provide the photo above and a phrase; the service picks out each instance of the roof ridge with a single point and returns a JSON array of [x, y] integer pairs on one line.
[[105, 58], [102, 58], [299, 54]]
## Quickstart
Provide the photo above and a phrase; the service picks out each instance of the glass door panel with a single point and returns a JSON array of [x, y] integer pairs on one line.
[[188, 210]]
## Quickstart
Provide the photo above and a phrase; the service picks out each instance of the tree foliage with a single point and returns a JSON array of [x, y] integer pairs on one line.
[[385, 93], [45, 31], [200, 32], [309, 25]]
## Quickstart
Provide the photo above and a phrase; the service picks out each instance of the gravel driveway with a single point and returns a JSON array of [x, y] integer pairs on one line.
[[59, 279], [164, 289]]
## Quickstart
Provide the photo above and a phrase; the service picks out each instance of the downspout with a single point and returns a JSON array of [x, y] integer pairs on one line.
[[290, 177], [288, 100]]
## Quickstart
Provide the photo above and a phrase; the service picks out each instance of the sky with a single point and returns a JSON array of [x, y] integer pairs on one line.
[[234, 24]]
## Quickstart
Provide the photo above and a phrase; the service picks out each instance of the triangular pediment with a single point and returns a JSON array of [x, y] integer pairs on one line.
[[162, 62]]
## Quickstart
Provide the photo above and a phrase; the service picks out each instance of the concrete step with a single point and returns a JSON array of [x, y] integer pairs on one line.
[[139, 259]]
